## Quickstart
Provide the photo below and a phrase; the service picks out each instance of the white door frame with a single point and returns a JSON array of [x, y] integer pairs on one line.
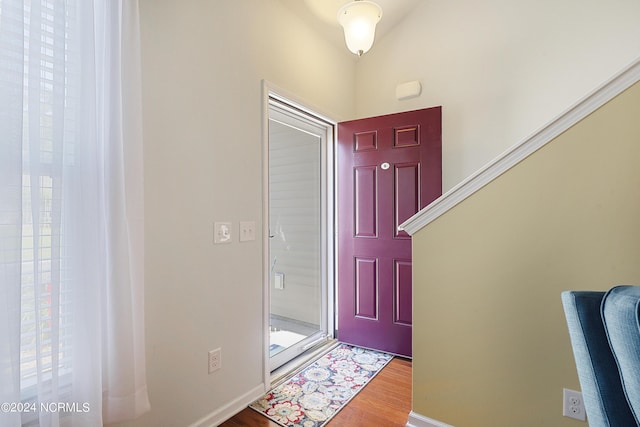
[[270, 91]]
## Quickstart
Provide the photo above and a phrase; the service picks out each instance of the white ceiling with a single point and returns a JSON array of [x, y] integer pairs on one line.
[[322, 15]]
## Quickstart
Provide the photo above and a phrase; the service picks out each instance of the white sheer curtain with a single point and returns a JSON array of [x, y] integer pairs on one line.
[[71, 213]]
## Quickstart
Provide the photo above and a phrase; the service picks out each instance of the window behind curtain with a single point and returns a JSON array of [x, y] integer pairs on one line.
[[71, 209], [45, 346]]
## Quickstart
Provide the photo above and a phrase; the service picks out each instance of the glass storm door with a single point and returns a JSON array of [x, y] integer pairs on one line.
[[298, 232]]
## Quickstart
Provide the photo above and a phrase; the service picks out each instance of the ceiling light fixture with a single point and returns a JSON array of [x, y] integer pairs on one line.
[[359, 19]]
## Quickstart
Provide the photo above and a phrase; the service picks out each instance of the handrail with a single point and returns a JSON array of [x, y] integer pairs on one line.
[[514, 155]]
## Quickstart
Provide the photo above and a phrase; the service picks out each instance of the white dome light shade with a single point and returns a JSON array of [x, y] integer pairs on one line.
[[359, 19]]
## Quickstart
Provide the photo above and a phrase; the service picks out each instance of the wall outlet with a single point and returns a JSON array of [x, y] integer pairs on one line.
[[573, 405], [215, 360]]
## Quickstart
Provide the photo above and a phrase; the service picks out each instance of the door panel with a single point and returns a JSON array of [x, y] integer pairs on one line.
[[366, 284], [407, 194], [365, 141], [405, 137], [389, 167], [365, 220], [402, 295]]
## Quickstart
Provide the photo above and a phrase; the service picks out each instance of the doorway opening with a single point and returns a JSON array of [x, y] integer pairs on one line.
[[299, 220]]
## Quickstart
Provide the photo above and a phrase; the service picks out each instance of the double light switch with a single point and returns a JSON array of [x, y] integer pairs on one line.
[[222, 231]]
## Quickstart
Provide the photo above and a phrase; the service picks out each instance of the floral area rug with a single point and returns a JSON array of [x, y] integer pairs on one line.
[[312, 396]]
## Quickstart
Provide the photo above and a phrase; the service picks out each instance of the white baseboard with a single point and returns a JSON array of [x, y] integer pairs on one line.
[[417, 420], [222, 414]]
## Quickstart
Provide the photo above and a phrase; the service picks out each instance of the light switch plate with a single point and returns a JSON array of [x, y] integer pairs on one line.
[[247, 231], [222, 232]]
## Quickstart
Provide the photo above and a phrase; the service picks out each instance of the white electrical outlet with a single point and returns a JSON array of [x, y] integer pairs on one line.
[[573, 405], [215, 360]]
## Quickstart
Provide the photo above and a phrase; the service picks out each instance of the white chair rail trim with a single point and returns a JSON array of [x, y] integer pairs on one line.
[[616, 85], [417, 420]]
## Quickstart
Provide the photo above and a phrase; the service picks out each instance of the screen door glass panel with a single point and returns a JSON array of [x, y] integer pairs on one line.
[[297, 297]]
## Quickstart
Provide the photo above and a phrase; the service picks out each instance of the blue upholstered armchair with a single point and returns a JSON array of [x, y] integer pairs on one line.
[[605, 336]]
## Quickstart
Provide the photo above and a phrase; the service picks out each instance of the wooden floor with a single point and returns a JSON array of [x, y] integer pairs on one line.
[[384, 402]]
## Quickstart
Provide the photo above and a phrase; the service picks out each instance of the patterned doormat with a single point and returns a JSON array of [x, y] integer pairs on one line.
[[312, 396]]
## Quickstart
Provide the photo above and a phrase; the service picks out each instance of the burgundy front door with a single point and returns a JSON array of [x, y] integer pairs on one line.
[[389, 167]]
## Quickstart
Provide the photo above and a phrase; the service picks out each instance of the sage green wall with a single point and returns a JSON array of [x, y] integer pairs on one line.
[[491, 347]]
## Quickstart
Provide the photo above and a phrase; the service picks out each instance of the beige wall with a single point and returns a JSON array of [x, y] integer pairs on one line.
[[501, 69], [491, 347], [203, 63]]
